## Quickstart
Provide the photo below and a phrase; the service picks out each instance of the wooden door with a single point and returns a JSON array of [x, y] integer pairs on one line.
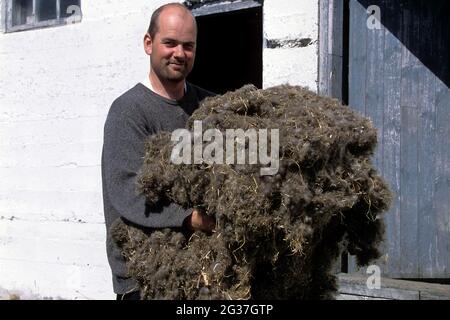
[[399, 77]]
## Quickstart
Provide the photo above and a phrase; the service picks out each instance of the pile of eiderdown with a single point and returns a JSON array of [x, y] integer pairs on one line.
[[276, 237]]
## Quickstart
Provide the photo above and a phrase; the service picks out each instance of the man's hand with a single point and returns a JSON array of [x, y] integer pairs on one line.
[[199, 221]]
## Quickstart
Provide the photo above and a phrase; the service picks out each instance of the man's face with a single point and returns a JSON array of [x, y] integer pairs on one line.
[[172, 50]]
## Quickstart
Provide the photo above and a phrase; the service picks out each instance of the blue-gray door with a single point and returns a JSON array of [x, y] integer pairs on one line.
[[399, 77]]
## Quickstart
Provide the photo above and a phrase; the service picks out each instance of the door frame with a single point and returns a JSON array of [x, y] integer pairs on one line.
[[333, 49]]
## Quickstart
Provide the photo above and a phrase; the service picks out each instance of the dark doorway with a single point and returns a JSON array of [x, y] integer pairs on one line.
[[229, 51]]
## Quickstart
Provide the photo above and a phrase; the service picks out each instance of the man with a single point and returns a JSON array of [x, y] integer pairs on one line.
[[162, 102]]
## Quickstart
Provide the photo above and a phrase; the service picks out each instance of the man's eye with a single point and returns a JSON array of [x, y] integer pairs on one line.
[[170, 44]]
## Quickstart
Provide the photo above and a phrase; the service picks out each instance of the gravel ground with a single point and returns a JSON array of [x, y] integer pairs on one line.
[[21, 295]]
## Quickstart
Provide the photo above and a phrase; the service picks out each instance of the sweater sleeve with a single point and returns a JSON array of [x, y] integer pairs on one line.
[[123, 152]]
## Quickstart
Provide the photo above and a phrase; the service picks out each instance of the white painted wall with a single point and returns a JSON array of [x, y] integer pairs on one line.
[[289, 20], [56, 86]]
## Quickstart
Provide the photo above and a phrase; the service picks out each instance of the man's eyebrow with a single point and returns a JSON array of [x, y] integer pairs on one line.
[[176, 41]]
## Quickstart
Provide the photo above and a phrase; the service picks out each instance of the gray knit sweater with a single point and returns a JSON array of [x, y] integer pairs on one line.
[[134, 116]]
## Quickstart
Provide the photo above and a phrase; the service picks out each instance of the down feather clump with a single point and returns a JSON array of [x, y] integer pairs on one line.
[[277, 236]]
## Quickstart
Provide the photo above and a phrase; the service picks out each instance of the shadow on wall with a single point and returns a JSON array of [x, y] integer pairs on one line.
[[423, 27]]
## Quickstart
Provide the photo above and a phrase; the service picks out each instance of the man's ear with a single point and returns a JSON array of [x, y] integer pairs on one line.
[[148, 43]]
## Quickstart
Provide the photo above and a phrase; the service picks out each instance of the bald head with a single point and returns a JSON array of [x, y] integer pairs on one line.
[[171, 44], [169, 9]]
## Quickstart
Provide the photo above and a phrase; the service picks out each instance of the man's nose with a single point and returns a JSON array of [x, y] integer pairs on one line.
[[179, 52]]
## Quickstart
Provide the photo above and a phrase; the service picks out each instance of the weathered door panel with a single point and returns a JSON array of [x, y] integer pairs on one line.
[[399, 77]]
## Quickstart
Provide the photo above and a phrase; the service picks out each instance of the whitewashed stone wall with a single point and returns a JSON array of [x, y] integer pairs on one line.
[[56, 86], [293, 26]]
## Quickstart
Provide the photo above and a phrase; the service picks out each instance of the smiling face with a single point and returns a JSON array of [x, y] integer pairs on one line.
[[172, 49]]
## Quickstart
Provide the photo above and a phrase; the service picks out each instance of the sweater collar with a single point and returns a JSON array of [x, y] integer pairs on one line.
[[146, 82]]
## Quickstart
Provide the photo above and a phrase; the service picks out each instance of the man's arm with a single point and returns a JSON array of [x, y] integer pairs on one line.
[[123, 152]]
